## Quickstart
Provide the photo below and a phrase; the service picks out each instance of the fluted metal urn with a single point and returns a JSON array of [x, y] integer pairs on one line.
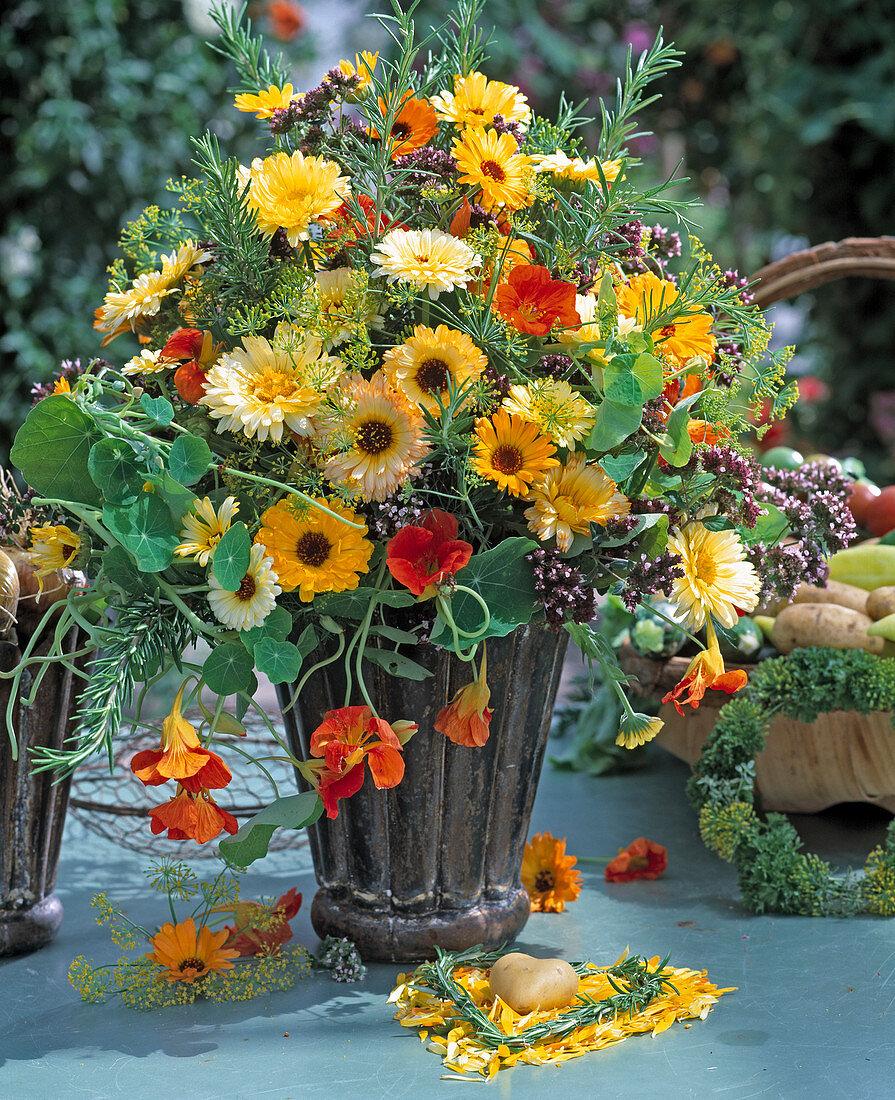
[[32, 807], [436, 860]]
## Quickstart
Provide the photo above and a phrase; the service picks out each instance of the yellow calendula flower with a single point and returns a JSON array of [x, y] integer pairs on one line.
[[255, 598], [265, 103], [143, 298], [645, 297], [314, 551], [492, 162], [53, 547], [291, 192], [344, 305], [570, 498], [635, 730], [717, 580], [475, 101], [511, 452], [364, 64], [428, 259], [561, 166], [203, 527], [425, 364], [554, 406], [148, 362], [187, 256]]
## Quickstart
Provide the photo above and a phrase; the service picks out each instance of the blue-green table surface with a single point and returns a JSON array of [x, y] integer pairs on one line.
[[814, 1011]]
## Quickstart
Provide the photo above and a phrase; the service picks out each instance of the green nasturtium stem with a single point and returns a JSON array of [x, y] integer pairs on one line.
[[296, 493]]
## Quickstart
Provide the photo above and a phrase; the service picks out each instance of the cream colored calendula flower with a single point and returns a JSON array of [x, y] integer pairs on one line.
[[290, 192], [203, 527], [570, 498], [717, 580], [426, 258], [142, 299], [255, 598], [148, 362], [475, 101], [555, 407], [265, 103], [344, 304], [53, 547]]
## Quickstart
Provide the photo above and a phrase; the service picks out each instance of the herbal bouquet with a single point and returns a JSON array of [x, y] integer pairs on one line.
[[425, 371]]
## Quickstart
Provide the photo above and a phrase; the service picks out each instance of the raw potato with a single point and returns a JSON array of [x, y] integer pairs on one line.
[[823, 624], [525, 983], [881, 602], [844, 595]]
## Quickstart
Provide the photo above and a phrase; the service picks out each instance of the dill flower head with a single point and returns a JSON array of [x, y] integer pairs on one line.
[[511, 452], [314, 551], [548, 874], [255, 598], [717, 580], [645, 297], [475, 101], [265, 103], [384, 437], [425, 364], [492, 162], [53, 547], [426, 258], [260, 389], [572, 497], [203, 527], [186, 953], [635, 730], [290, 192], [555, 407], [561, 166]]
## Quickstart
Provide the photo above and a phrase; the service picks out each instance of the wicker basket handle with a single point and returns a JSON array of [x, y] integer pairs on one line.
[[872, 257]]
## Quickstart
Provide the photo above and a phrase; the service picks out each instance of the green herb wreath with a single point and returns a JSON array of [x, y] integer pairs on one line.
[[774, 874]]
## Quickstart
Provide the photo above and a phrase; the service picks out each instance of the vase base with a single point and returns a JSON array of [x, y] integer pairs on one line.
[[386, 935], [24, 930]]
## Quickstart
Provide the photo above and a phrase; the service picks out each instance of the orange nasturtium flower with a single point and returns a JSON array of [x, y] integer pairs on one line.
[[534, 302], [199, 353], [548, 874], [189, 816], [705, 671], [466, 718], [641, 859], [181, 757], [186, 953], [421, 556], [345, 739], [261, 929]]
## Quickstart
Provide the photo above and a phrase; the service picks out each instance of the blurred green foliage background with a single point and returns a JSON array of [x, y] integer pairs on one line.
[[783, 114]]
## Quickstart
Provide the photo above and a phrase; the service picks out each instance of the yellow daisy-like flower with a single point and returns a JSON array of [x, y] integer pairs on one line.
[[717, 580], [148, 362], [343, 304], [260, 389], [555, 407], [511, 452], [255, 598], [646, 296], [492, 162], [364, 64], [265, 103], [548, 874], [142, 299], [187, 256], [290, 192], [426, 258], [561, 166], [423, 365], [203, 527], [53, 547], [475, 101], [635, 730], [186, 954], [384, 437], [313, 551], [570, 499]]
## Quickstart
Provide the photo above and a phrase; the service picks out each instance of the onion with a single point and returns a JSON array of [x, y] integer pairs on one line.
[[9, 594]]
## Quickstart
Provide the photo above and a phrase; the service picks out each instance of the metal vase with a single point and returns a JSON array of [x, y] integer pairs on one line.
[[436, 860], [32, 807]]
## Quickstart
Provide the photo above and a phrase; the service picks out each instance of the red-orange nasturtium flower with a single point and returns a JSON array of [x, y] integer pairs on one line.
[[348, 737], [287, 19], [260, 929], [419, 557], [199, 353], [533, 302], [641, 859], [190, 816], [467, 717], [181, 757], [705, 671]]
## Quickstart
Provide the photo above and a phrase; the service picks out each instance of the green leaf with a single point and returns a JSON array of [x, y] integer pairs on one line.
[[228, 669], [642, 523], [277, 625], [614, 423], [225, 723], [396, 664], [354, 605], [189, 459], [232, 554], [307, 641], [178, 498], [393, 634], [655, 538], [620, 467], [279, 661], [113, 466], [677, 446], [717, 523], [121, 569], [607, 305], [630, 381], [147, 529], [52, 448], [295, 811], [158, 409], [503, 578], [772, 525]]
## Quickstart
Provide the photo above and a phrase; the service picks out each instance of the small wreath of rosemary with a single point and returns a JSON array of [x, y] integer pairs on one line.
[[774, 874], [635, 983]]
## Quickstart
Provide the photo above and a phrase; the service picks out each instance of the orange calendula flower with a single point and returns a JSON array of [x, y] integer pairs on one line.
[[641, 859], [705, 671], [186, 953], [533, 302], [689, 335], [190, 816], [181, 757], [467, 717], [512, 452], [261, 929], [414, 125], [348, 737], [548, 874]]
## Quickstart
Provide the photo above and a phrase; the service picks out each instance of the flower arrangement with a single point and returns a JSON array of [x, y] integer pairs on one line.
[[421, 373]]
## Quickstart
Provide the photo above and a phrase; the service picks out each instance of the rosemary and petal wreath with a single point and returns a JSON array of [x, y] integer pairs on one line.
[[775, 875]]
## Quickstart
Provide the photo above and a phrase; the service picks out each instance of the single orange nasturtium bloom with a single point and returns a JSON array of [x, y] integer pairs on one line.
[[181, 757], [467, 717]]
